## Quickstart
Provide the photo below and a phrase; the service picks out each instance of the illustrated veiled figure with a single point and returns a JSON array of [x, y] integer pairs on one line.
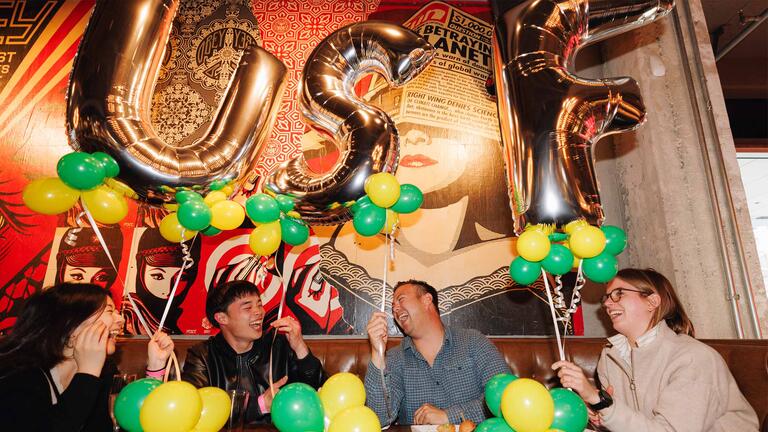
[[81, 258], [158, 263]]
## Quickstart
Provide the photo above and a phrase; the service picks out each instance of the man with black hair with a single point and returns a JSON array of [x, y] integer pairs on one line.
[[238, 357], [437, 374]]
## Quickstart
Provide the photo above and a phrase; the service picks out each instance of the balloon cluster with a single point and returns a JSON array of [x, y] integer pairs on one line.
[[540, 247], [339, 406], [210, 215], [385, 199], [525, 405], [85, 176], [148, 405], [275, 221]]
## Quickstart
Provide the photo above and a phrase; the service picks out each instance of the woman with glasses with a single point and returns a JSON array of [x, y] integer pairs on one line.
[[653, 375]]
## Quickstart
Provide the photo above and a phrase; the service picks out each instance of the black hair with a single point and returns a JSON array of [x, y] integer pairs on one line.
[[220, 297], [424, 288], [45, 325]]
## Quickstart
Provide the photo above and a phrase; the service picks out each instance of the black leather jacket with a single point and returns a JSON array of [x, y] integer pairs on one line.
[[215, 363]]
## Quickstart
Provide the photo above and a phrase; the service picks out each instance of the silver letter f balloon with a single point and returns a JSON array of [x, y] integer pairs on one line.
[[549, 117]]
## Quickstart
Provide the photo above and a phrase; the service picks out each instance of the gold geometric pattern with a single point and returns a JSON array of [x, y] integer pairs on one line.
[[180, 110]]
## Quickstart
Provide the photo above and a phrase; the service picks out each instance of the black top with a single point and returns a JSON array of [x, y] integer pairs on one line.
[[26, 403], [214, 363]]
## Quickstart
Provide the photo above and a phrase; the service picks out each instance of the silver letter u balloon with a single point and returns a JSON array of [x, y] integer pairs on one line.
[[365, 135], [549, 117], [110, 94]]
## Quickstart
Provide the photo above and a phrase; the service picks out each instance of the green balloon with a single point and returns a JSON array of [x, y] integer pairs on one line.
[[218, 184], [601, 268], [570, 411], [494, 424], [494, 388], [523, 271], [365, 201], [615, 239], [285, 203], [183, 196], [80, 171], [129, 401], [297, 408], [210, 231], [262, 208], [294, 231], [410, 199], [111, 168], [559, 261], [369, 220], [194, 215]]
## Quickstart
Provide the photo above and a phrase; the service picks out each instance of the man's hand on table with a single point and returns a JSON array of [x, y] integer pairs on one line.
[[430, 414]]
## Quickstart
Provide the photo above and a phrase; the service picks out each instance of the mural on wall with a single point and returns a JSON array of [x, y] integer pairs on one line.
[[461, 241]]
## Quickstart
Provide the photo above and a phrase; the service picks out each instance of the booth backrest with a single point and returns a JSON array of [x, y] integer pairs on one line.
[[529, 357]]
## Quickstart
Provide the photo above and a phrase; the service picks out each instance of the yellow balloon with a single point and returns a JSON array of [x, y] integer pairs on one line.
[[121, 188], [106, 205], [215, 412], [227, 190], [393, 218], [533, 245], [587, 242], [575, 225], [171, 407], [343, 390], [227, 215], [171, 229], [527, 406], [355, 419], [214, 197], [265, 238], [49, 196], [383, 189]]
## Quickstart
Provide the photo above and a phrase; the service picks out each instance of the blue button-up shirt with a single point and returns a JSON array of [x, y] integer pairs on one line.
[[454, 383]]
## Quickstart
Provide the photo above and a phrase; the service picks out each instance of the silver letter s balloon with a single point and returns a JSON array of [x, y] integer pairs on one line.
[[366, 137], [110, 95], [550, 118]]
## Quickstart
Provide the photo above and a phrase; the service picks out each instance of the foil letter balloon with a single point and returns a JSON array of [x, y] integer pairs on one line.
[[549, 117], [110, 94], [365, 136]]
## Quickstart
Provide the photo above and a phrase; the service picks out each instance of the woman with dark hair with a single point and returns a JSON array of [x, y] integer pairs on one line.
[[654, 375], [53, 374], [158, 263], [81, 258]]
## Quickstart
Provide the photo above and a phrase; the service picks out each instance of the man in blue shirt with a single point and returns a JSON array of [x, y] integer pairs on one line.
[[437, 374]]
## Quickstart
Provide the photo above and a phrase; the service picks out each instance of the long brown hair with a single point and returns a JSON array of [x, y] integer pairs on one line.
[[670, 309]]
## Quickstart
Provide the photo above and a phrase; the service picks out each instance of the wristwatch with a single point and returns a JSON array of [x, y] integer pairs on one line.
[[605, 401]]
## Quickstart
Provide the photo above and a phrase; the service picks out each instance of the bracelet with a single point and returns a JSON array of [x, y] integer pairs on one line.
[[263, 405], [155, 374], [155, 370]]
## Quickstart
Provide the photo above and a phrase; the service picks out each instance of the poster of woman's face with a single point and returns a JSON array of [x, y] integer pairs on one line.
[[78, 256], [156, 267], [462, 240]]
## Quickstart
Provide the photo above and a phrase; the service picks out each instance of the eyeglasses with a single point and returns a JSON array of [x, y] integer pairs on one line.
[[618, 293]]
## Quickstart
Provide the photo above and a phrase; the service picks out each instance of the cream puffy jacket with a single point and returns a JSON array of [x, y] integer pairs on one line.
[[673, 383]]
